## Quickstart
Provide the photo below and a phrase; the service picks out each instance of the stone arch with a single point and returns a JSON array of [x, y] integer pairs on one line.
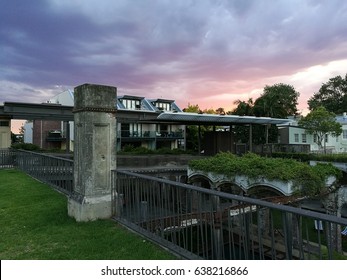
[[231, 187], [201, 181], [183, 178], [263, 190]]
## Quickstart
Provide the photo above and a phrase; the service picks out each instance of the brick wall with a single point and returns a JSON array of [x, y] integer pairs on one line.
[[40, 132]]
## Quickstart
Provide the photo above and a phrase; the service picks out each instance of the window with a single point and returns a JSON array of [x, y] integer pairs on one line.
[[344, 134], [4, 123], [131, 104], [304, 138], [326, 138], [163, 106], [315, 138], [296, 137]]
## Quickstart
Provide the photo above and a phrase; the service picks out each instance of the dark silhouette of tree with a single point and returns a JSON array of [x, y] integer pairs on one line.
[[332, 95], [243, 108], [277, 101]]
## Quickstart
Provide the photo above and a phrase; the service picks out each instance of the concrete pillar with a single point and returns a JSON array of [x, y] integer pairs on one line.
[[264, 221], [333, 204], [94, 152]]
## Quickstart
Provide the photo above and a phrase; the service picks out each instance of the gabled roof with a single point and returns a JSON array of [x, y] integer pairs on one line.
[[147, 104]]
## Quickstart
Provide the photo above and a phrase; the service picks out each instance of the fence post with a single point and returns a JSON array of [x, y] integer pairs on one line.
[[94, 152]]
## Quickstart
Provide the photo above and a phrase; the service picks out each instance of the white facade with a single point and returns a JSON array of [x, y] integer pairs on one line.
[[5, 133], [28, 132], [293, 134]]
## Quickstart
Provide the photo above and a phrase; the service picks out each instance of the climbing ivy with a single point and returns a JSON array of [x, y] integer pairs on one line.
[[308, 179]]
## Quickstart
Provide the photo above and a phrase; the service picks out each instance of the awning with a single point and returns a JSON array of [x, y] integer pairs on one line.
[[211, 119]]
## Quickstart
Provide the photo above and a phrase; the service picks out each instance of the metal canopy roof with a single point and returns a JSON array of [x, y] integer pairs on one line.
[[30, 111], [211, 119], [48, 111]]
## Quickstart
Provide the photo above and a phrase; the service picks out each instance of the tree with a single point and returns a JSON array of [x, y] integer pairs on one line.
[[192, 109], [321, 122], [194, 135], [220, 111], [277, 101], [243, 108], [332, 95]]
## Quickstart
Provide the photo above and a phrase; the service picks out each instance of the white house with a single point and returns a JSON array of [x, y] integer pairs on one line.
[[293, 134]]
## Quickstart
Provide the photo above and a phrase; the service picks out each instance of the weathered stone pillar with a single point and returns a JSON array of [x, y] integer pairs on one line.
[[333, 204], [264, 221], [94, 152]]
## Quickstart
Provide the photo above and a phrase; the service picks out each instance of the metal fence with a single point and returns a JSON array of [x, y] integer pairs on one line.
[[199, 223], [55, 171], [7, 158]]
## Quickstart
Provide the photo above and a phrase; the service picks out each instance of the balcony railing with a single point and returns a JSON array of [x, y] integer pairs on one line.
[[55, 136], [150, 134]]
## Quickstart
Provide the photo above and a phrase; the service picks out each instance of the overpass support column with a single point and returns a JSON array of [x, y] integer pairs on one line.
[[94, 152]]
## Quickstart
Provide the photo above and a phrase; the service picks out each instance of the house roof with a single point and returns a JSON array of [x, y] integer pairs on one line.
[[341, 119]]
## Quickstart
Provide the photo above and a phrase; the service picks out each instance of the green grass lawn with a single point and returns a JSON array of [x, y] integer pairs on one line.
[[34, 225]]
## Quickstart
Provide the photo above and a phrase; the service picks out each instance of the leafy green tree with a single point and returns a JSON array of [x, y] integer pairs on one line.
[[220, 111], [243, 108], [277, 101], [193, 139], [192, 109], [321, 122], [332, 95]]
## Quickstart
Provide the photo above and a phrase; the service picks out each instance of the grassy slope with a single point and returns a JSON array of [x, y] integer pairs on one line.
[[34, 225]]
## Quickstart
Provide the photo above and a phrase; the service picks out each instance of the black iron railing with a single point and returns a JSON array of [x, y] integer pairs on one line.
[[7, 158], [54, 171], [202, 223]]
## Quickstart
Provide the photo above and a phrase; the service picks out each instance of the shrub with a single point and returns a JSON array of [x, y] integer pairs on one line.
[[304, 157], [307, 178], [26, 146]]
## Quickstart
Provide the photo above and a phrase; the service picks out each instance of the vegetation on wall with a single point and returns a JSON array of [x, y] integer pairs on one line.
[[308, 180]]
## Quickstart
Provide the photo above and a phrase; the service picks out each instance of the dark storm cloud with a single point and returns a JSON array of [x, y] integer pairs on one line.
[[150, 44]]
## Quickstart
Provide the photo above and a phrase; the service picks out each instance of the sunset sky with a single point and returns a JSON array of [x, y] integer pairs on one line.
[[205, 52]]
